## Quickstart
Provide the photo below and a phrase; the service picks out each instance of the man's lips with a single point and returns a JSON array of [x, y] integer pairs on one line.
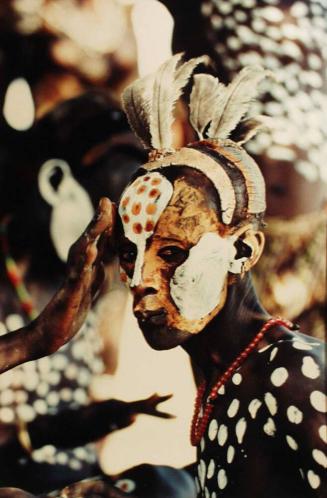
[[152, 317]]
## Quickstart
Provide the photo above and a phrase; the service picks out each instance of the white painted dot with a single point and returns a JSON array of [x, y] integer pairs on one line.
[[320, 457], [197, 485], [271, 403], [213, 494], [7, 397], [254, 407], [294, 415], [279, 376], [59, 361], [221, 390], [222, 435], [66, 394], [52, 398], [14, 322], [314, 479], [26, 413], [230, 454], [318, 401], [262, 350], [21, 397], [233, 408], [40, 406], [272, 14], [222, 479], [6, 415], [75, 464], [299, 9], [270, 427], [202, 445], [42, 389], [323, 433], [310, 368], [237, 379], [80, 396], [206, 493], [301, 345], [202, 472], [213, 429], [273, 354], [291, 442], [211, 469], [240, 429], [62, 458], [206, 9]]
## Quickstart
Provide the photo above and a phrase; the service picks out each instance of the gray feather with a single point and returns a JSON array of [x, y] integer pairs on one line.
[[203, 99], [234, 101], [248, 128], [136, 102], [167, 88]]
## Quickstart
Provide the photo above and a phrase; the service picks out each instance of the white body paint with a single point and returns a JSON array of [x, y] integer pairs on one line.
[[197, 283], [71, 206]]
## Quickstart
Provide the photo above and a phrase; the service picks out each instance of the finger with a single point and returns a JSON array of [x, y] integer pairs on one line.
[[161, 399], [101, 221], [160, 414]]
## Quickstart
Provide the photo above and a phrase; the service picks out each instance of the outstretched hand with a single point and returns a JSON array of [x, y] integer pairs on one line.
[[66, 312], [63, 316], [148, 406]]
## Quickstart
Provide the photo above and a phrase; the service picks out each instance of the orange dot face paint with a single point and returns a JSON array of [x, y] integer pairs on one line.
[[154, 193], [142, 204], [136, 208], [151, 209]]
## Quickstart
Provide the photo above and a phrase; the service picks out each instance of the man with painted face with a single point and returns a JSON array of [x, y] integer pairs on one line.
[[191, 229]]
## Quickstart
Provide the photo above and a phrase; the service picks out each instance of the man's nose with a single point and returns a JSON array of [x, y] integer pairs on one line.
[[149, 284]]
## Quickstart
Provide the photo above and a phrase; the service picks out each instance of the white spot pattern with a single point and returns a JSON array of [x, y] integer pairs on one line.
[[313, 479], [222, 479], [310, 368], [271, 403], [270, 427], [222, 435], [240, 429], [233, 408], [279, 376], [318, 401], [320, 457], [291, 442], [213, 429], [294, 415], [254, 407]]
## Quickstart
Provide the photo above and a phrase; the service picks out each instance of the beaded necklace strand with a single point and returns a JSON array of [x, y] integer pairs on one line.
[[199, 423], [14, 275]]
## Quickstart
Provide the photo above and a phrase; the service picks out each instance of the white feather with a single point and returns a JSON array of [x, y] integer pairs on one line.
[[248, 128], [234, 101], [205, 91], [167, 88], [136, 102]]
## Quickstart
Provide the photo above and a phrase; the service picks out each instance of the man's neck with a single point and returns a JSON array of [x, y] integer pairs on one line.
[[230, 331]]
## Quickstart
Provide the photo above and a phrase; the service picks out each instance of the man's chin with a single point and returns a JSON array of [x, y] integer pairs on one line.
[[163, 337]]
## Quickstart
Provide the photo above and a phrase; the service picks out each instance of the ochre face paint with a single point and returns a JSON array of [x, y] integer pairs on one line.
[[183, 270]]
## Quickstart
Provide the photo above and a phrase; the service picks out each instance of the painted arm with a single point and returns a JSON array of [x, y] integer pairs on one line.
[[63, 316]]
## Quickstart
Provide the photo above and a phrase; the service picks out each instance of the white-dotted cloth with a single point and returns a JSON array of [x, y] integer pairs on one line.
[[53, 383], [268, 428], [289, 38]]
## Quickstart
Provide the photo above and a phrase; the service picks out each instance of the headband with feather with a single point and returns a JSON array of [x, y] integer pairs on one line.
[[216, 111]]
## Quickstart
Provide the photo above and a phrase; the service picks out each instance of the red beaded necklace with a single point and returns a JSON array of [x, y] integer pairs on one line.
[[199, 423]]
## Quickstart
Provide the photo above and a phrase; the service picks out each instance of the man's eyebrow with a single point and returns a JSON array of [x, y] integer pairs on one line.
[[169, 239]]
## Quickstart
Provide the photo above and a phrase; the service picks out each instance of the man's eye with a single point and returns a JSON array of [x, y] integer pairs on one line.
[[173, 254], [127, 255]]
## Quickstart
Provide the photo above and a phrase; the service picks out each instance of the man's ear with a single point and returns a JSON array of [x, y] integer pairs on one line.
[[249, 246]]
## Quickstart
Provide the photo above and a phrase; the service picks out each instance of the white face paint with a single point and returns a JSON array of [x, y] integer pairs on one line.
[[141, 206], [197, 283], [72, 207]]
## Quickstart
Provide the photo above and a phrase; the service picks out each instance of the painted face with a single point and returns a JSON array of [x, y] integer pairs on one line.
[[176, 255]]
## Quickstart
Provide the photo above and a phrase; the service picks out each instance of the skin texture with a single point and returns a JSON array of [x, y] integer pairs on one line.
[[265, 436], [66, 312], [180, 227]]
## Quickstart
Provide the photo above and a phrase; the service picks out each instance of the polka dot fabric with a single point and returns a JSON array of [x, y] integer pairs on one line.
[[267, 436], [53, 383], [290, 38]]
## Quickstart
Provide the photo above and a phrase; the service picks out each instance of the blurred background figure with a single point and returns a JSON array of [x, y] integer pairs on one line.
[[289, 38], [65, 143]]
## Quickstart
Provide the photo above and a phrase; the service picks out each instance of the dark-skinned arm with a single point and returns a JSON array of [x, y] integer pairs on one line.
[[64, 315]]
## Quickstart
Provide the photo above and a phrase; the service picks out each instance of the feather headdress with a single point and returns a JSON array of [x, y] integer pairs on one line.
[[218, 115]]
